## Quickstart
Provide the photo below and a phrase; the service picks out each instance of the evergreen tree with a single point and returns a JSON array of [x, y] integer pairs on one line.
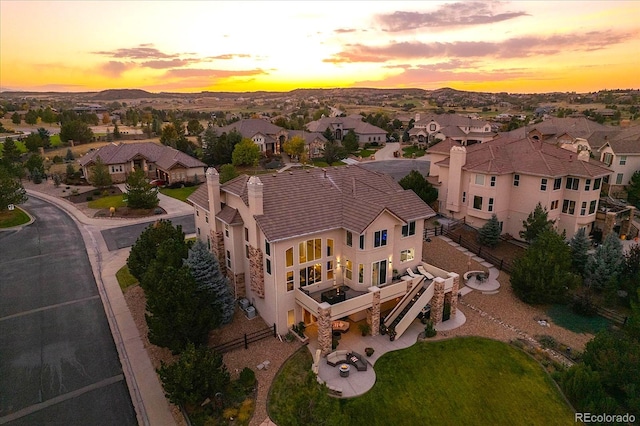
[[630, 281], [45, 136], [16, 118], [116, 132], [227, 172], [100, 176], [605, 266], [198, 374], [537, 222], [206, 271], [350, 142], [11, 190], [209, 140], [69, 156], [332, 152], [542, 274], [75, 130], [11, 158], [169, 252], [140, 193], [633, 189], [420, 185], [328, 135], [33, 142], [489, 234], [579, 247], [178, 313], [146, 247]]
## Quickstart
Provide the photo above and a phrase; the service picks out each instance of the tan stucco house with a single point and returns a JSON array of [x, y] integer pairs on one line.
[[317, 245], [464, 130]]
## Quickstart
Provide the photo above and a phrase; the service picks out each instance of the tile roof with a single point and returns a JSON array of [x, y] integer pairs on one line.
[[553, 127], [249, 127], [455, 120], [301, 202], [200, 197], [626, 141], [230, 216], [163, 156], [348, 123], [527, 156], [307, 136]]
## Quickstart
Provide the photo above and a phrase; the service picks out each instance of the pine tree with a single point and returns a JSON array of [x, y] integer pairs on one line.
[[11, 190], [489, 234], [420, 185], [100, 176], [537, 222], [205, 269], [140, 194], [579, 247], [606, 265], [146, 247]]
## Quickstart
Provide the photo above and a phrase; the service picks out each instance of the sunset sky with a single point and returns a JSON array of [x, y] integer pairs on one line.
[[512, 46]]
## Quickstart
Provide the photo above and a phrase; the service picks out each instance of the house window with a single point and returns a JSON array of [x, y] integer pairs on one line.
[[198, 230], [380, 238], [360, 273], [464, 197], [208, 242], [206, 218], [310, 274], [432, 127], [226, 230], [479, 179], [477, 202], [583, 208], [607, 158], [348, 269], [197, 212], [619, 178], [568, 206], [379, 272], [362, 242], [289, 280], [490, 207], [228, 259], [543, 184], [572, 183], [246, 234], [492, 182], [289, 257], [557, 183], [592, 206], [407, 255], [330, 269], [246, 251], [267, 248], [409, 229], [554, 204], [516, 180], [623, 160], [329, 247], [349, 239], [310, 250], [587, 184], [596, 184], [269, 266]]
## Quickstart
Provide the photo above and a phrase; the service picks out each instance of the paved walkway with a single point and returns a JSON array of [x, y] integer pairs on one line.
[[144, 386], [491, 285]]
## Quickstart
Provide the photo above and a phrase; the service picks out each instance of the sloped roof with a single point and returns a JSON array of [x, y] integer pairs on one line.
[[308, 137], [250, 127], [301, 202], [626, 141], [348, 123], [456, 120], [576, 127], [527, 156], [164, 157]]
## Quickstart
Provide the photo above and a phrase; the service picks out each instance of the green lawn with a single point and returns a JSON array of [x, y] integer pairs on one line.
[[55, 141], [179, 193], [13, 218], [366, 153], [125, 279], [563, 316], [470, 381], [410, 150], [107, 202]]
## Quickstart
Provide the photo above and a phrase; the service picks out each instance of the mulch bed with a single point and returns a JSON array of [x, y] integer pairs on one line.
[[82, 197], [130, 213]]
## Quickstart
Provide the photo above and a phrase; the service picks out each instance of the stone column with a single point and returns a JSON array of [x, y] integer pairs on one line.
[[454, 293], [437, 303], [373, 313], [324, 328], [609, 222], [256, 274], [217, 248], [625, 228]]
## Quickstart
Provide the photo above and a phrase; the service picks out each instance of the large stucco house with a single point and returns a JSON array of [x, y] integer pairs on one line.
[[509, 178], [340, 126], [318, 245], [158, 161], [266, 135], [464, 130], [621, 152]]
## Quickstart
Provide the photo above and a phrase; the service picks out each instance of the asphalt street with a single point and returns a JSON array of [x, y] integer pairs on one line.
[[58, 360], [126, 236]]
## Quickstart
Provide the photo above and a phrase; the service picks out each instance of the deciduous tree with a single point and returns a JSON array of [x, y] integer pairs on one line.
[[246, 153], [16, 118], [33, 142], [227, 172], [194, 127], [295, 147], [633, 189]]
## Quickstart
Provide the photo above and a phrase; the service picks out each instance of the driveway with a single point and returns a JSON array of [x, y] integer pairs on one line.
[[59, 363], [126, 236], [397, 168]]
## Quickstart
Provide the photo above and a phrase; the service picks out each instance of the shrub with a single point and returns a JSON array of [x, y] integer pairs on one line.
[[364, 328], [429, 330], [247, 378], [57, 159], [583, 306], [548, 341], [96, 192], [89, 198], [369, 351]]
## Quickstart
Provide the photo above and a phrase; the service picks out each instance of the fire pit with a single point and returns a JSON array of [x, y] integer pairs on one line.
[[344, 370]]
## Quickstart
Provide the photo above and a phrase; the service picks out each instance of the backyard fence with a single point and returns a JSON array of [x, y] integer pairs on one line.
[[246, 339]]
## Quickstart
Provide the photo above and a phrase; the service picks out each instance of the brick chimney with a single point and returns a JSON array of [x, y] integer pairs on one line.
[[255, 190]]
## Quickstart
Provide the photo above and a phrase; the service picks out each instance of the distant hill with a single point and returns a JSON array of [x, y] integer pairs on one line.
[[115, 94]]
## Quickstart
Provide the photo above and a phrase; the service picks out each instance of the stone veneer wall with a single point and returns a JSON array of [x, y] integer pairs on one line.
[[256, 271], [217, 248], [454, 294], [240, 287], [373, 314], [609, 222], [437, 303], [324, 328]]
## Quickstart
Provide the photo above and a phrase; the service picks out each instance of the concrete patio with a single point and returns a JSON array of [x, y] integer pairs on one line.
[[359, 382]]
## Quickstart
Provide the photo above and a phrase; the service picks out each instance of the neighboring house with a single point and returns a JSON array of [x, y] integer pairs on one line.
[[464, 130], [509, 178], [621, 152], [314, 142], [318, 245], [340, 126], [266, 135], [159, 161]]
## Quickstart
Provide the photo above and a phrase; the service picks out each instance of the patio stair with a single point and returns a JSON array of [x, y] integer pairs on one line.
[[395, 312], [409, 307]]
